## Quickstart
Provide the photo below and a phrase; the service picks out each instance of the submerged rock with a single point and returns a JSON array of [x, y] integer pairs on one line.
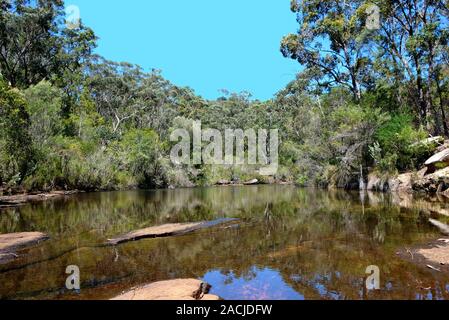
[[11, 242], [180, 289], [438, 254], [433, 256], [167, 230]]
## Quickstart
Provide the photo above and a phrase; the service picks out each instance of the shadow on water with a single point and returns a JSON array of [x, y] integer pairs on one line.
[[292, 244]]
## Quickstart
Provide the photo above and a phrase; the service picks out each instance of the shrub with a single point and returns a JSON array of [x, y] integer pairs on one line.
[[139, 151], [398, 144], [16, 150]]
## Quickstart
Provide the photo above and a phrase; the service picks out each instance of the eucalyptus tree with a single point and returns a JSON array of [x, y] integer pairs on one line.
[[332, 40], [412, 41], [35, 43], [114, 89]]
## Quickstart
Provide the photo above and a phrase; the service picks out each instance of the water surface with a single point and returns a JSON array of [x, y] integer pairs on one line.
[[291, 244]]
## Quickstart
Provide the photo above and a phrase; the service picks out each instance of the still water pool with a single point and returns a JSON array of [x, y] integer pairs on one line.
[[291, 244]]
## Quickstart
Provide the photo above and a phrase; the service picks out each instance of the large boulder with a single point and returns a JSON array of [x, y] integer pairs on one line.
[[437, 182], [404, 182], [179, 289], [400, 183], [376, 183], [439, 160], [442, 156]]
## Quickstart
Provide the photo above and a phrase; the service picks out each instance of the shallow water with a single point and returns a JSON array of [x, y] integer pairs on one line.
[[291, 244]]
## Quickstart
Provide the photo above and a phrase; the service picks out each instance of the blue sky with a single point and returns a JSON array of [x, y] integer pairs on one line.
[[207, 45]]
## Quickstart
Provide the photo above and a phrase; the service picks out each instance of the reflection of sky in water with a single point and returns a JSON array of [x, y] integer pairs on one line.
[[258, 284]]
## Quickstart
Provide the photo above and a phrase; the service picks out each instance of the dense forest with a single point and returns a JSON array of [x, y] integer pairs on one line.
[[365, 98]]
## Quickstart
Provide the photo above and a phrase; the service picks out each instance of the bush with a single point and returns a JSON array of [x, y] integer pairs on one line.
[[16, 150], [398, 144], [139, 152], [63, 164]]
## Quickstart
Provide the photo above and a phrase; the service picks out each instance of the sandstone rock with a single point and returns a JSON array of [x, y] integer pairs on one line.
[[11, 242], [223, 182], [434, 182], [180, 289], [402, 182], [375, 183], [167, 230], [440, 157], [7, 257], [442, 147], [438, 255], [14, 241], [251, 182]]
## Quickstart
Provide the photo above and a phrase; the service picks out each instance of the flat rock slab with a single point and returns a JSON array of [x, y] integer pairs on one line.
[[431, 256], [168, 230], [442, 156], [179, 289], [438, 255], [11, 242]]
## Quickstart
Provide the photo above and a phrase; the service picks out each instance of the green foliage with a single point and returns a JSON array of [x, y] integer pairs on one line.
[[64, 163], [36, 45], [398, 144], [384, 163], [77, 121], [401, 64], [44, 107], [16, 150], [140, 154]]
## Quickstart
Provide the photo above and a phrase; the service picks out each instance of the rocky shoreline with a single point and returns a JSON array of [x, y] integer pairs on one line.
[[432, 178], [20, 199]]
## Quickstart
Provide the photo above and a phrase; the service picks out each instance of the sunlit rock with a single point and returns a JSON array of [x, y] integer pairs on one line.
[[179, 289]]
